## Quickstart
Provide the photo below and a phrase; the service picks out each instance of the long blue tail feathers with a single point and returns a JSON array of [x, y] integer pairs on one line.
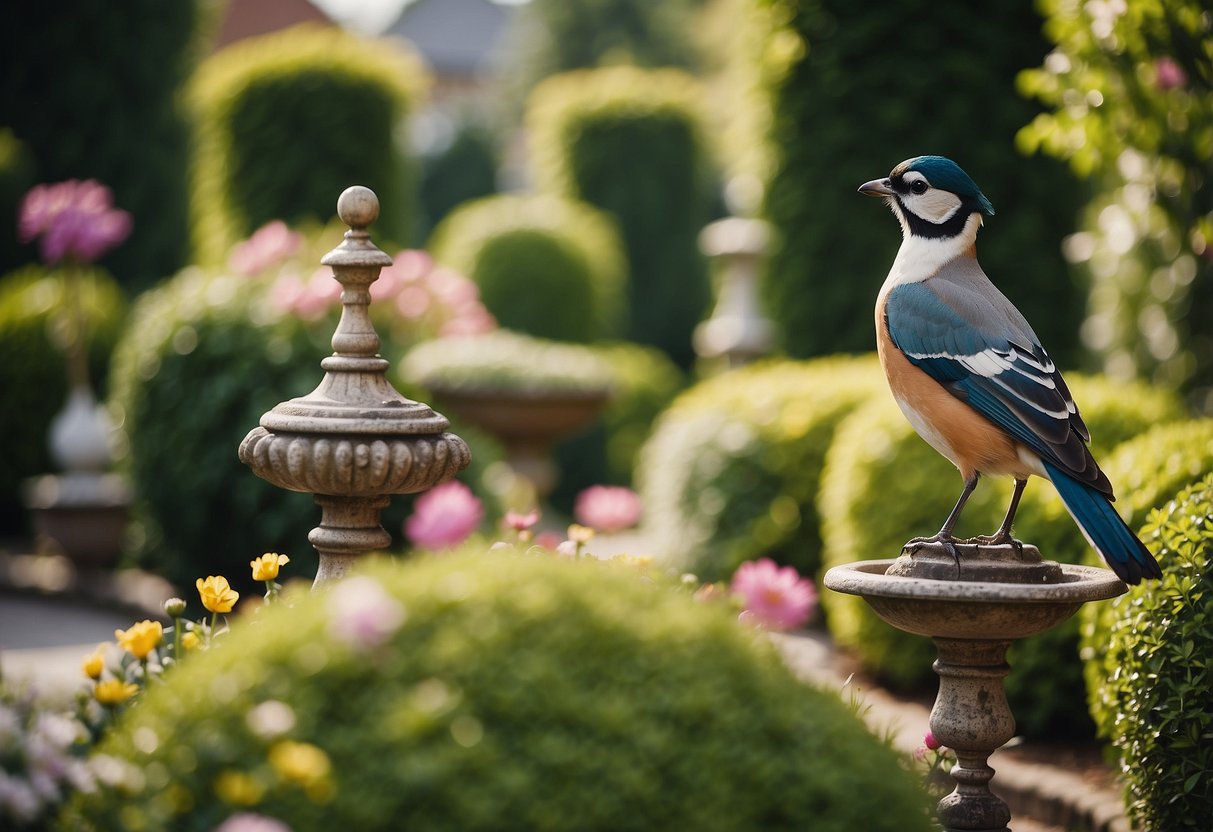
[[1104, 529]]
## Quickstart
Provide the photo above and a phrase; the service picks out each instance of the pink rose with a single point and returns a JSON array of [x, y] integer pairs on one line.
[[608, 508], [444, 517]]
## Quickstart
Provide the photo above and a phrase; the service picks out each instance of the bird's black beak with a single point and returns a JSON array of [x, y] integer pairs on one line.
[[877, 187]]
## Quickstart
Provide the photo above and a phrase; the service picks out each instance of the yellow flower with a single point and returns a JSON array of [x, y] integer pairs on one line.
[[190, 640], [265, 568], [300, 762], [140, 639], [94, 664], [217, 594], [580, 534], [238, 788], [114, 691]]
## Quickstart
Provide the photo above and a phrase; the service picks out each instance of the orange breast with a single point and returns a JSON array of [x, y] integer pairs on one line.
[[957, 431]]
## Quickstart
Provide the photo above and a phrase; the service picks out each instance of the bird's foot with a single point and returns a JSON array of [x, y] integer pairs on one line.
[[947, 541], [1001, 537]]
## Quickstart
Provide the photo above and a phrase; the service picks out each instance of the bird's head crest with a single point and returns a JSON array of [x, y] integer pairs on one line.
[[945, 174]]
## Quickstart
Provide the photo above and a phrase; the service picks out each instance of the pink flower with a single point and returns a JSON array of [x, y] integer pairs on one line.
[[930, 742], [75, 219], [549, 540], [608, 508], [444, 517], [269, 246], [249, 822], [521, 522], [1169, 75], [777, 597], [362, 613], [309, 301]]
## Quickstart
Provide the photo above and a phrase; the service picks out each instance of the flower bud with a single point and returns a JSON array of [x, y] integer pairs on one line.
[[174, 607]]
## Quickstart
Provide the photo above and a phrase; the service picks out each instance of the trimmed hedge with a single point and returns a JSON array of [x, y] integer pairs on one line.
[[631, 142], [546, 266], [93, 90], [883, 485], [956, 68], [287, 121], [1154, 704], [1151, 468], [33, 369], [504, 692], [732, 469]]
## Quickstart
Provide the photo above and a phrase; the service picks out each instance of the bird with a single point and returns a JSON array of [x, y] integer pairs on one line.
[[969, 373]]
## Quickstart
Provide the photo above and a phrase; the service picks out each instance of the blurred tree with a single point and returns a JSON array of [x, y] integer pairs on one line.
[[854, 89], [91, 88], [1130, 96]]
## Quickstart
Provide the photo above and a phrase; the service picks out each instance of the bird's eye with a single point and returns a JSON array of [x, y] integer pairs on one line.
[[919, 186]]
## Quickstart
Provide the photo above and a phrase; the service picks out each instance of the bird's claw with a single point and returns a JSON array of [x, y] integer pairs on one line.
[[947, 541], [1000, 538]]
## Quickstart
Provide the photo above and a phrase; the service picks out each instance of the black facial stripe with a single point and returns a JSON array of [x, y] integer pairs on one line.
[[950, 227]]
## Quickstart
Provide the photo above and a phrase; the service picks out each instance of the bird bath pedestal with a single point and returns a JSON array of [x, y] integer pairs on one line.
[[354, 440], [998, 594]]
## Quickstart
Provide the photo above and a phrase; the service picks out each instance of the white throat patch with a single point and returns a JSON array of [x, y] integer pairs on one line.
[[921, 257]]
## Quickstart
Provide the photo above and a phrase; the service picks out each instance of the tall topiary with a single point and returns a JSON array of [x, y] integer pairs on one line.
[[631, 142], [955, 70], [546, 266], [882, 485], [33, 368], [1154, 702], [1129, 91], [500, 692], [93, 92], [732, 468], [289, 119]]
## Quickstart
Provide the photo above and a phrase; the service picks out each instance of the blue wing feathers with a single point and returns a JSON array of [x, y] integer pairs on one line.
[[1104, 528]]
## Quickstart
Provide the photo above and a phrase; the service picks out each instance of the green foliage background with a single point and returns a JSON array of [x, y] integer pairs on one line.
[[92, 90], [855, 89]]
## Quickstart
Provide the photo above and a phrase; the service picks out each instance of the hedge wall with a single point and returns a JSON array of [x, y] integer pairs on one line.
[[287, 121], [631, 142]]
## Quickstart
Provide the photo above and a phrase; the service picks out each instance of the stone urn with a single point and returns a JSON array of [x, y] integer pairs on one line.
[[354, 440], [972, 603], [527, 422]]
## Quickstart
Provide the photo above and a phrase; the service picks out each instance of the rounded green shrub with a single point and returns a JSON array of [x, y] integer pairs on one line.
[[497, 691], [546, 266], [630, 142], [287, 121], [33, 368], [883, 485], [193, 373], [1149, 471], [1154, 704], [732, 468]]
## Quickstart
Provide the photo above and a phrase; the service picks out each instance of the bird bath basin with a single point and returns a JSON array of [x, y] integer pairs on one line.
[[972, 612]]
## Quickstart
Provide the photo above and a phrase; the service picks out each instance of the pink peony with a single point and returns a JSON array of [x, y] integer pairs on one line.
[[362, 613], [608, 508], [444, 517], [520, 522], [1169, 75], [75, 219], [776, 597], [269, 246]]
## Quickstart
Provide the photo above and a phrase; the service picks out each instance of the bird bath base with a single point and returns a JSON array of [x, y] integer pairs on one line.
[[973, 603]]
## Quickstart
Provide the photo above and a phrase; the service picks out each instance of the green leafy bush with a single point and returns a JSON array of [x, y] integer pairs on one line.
[[33, 368], [1149, 471], [1153, 705], [497, 692], [732, 469], [830, 133], [193, 374], [545, 266], [630, 142], [1146, 143], [464, 170], [94, 93], [287, 121], [883, 485]]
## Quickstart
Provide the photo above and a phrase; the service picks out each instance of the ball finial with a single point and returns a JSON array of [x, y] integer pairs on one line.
[[358, 206]]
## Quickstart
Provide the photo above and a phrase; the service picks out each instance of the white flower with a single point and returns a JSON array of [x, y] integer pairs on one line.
[[363, 614]]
